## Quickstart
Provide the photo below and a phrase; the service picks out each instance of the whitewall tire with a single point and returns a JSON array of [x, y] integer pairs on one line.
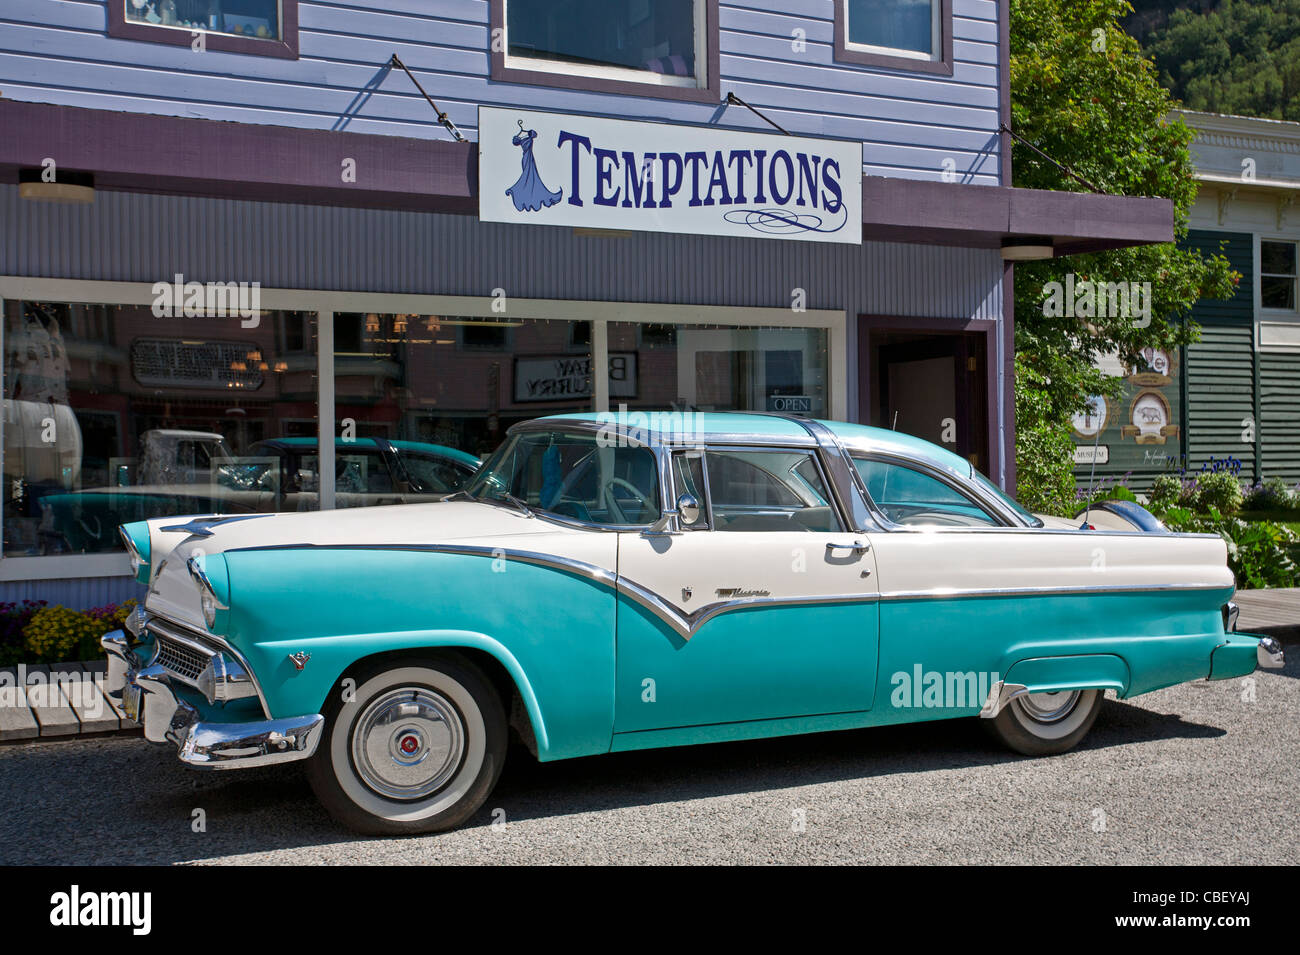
[[417, 747], [1044, 724]]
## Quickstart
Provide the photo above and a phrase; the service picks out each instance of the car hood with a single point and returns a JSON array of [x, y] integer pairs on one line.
[[174, 540]]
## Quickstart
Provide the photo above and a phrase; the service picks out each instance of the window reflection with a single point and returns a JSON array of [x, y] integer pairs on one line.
[[430, 395], [718, 368], [113, 414]]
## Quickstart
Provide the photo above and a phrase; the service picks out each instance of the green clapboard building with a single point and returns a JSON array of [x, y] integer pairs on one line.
[[1232, 399]]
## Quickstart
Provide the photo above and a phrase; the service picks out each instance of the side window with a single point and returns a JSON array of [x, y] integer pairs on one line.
[[910, 497], [768, 491]]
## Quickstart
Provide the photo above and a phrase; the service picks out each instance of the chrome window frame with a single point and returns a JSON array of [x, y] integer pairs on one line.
[[841, 515], [578, 424], [706, 502], [945, 477]]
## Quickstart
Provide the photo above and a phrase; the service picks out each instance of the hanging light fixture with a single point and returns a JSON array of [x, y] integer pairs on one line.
[[68, 187]]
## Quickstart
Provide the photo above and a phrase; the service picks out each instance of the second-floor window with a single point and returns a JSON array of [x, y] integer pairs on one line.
[[660, 45], [257, 19], [900, 34], [257, 27], [1278, 275]]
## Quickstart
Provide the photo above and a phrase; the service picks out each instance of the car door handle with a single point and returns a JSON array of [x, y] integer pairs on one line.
[[858, 547]]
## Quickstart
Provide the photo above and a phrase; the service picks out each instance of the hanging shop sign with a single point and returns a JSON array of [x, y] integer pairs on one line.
[[559, 169], [1140, 431]]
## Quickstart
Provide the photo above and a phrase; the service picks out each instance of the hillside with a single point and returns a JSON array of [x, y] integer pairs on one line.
[[1229, 56]]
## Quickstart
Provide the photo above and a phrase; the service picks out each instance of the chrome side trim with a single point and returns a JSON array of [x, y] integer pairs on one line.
[[684, 624], [581, 568], [940, 593], [687, 624]]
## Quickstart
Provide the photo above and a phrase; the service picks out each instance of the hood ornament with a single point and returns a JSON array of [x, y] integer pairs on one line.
[[202, 526]]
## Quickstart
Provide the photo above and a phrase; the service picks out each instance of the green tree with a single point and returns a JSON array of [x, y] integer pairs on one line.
[[1241, 57], [1082, 92]]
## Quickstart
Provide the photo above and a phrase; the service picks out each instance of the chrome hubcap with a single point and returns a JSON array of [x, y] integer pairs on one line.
[[1048, 707], [408, 743]]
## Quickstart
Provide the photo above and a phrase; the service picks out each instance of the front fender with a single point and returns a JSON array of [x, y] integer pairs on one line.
[[552, 631], [305, 691]]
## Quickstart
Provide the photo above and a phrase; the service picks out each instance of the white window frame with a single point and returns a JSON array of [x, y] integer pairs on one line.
[[936, 37], [1276, 329], [277, 36], [616, 73], [1279, 313], [325, 304]]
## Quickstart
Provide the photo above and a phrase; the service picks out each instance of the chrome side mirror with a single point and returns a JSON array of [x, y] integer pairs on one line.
[[688, 509]]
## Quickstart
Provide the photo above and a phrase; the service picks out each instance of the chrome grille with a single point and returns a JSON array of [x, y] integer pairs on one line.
[[181, 660]]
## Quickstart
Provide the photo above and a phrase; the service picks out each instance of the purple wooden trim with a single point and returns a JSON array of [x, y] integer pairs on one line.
[[712, 93], [1008, 442], [1004, 88], [286, 47], [990, 329], [142, 152], [941, 66], [913, 210]]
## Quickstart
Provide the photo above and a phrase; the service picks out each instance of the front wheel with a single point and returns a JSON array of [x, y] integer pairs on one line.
[[416, 747], [1044, 724]]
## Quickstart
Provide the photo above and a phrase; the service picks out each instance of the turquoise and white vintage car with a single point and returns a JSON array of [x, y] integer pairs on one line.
[[601, 587]]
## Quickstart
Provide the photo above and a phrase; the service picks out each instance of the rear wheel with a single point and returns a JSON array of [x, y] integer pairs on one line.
[[1044, 724], [417, 748]]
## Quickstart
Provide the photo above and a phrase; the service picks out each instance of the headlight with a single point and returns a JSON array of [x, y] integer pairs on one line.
[[207, 596]]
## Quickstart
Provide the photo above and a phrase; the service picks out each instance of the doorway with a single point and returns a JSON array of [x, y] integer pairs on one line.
[[931, 384]]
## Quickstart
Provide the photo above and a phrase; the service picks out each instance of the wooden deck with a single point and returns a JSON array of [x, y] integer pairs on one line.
[[67, 699], [63, 699], [1275, 612]]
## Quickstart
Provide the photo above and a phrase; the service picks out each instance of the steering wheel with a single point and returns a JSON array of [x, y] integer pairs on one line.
[[611, 503]]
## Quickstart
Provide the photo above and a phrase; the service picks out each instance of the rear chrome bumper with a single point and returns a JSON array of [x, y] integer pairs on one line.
[[145, 694], [1269, 654]]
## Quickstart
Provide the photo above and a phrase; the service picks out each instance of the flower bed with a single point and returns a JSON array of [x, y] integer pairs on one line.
[[34, 632]]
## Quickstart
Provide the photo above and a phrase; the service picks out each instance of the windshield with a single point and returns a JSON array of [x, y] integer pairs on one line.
[[1006, 499], [572, 475]]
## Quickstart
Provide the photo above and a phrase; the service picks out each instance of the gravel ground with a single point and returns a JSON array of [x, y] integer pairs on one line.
[[1193, 774]]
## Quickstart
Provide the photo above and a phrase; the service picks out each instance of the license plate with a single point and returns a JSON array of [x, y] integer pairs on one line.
[[131, 702]]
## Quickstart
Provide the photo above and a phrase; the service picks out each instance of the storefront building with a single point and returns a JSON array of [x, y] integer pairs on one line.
[[1232, 400], [246, 265]]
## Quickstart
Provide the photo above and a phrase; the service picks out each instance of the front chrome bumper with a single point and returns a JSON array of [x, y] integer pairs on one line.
[[145, 694]]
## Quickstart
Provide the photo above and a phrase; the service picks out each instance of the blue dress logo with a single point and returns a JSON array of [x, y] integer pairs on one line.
[[529, 192]]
